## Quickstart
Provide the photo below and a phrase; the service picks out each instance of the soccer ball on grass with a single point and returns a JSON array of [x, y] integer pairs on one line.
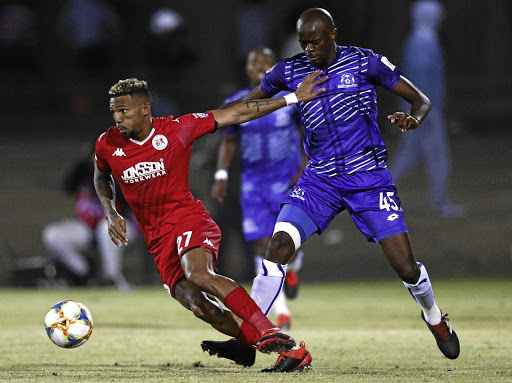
[[69, 324]]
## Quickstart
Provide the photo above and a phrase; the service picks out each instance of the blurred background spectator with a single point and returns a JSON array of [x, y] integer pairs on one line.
[[74, 241], [424, 65]]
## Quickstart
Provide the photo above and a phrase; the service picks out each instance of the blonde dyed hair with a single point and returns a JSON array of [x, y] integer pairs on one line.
[[130, 86]]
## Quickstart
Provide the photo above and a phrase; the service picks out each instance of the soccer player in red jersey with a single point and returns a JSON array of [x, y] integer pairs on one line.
[[149, 157]]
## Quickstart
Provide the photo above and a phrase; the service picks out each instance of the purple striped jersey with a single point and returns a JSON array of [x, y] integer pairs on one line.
[[341, 132]]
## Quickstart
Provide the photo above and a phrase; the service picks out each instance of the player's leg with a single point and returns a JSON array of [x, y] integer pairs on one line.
[[199, 268], [286, 240], [240, 348], [376, 211], [291, 283], [207, 308], [280, 307], [398, 251], [67, 239], [259, 216]]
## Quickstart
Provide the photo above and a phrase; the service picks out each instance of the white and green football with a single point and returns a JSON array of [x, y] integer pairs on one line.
[[69, 324]]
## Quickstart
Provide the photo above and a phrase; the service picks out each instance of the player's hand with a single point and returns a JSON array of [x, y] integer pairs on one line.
[[220, 190], [404, 121], [305, 91], [117, 230]]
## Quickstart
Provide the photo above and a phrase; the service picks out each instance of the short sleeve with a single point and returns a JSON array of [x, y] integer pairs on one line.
[[381, 71], [98, 154], [274, 80], [194, 125]]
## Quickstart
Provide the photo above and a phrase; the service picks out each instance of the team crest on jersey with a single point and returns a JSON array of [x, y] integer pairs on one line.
[[298, 192], [200, 115], [159, 142], [347, 81]]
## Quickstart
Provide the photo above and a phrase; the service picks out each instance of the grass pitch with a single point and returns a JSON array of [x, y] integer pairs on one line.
[[355, 331]]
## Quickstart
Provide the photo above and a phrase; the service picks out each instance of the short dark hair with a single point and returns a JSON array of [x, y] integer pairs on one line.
[[130, 86]]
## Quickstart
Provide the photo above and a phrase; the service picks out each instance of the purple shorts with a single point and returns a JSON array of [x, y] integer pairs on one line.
[[370, 198], [259, 212]]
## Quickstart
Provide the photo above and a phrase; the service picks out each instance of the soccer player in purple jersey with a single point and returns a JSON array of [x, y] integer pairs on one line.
[[347, 168], [271, 163]]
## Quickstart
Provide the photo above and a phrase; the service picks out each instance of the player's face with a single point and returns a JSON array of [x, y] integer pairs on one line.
[[130, 114], [257, 65], [318, 42]]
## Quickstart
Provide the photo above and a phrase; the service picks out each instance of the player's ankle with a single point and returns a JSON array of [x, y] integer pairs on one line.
[[432, 315]]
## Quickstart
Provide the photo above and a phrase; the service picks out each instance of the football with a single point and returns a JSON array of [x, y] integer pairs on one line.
[[69, 324]]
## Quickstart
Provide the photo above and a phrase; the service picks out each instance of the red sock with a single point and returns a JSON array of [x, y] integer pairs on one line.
[[248, 334], [242, 305]]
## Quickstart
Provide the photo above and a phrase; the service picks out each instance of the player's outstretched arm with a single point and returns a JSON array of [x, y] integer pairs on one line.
[[250, 110], [420, 105], [105, 189]]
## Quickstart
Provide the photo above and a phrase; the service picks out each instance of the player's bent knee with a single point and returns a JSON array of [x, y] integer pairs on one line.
[[409, 274], [292, 232]]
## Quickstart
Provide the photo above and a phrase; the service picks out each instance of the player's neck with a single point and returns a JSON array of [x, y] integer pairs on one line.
[[332, 56], [145, 131]]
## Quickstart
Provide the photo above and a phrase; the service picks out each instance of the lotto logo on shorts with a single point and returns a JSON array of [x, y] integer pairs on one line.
[[393, 216]]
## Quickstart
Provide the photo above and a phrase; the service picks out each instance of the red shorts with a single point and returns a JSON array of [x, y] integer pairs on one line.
[[196, 230]]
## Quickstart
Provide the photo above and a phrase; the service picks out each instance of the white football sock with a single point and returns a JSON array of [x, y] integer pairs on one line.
[[422, 293], [280, 306], [267, 285], [296, 265]]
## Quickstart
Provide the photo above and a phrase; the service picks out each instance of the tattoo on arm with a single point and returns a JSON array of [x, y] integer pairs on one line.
[[256, 104]]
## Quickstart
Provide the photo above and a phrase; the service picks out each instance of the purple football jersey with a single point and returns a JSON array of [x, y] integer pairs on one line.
[[341, 132]]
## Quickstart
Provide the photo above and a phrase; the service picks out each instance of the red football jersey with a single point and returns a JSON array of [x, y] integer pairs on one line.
[[153, 174]]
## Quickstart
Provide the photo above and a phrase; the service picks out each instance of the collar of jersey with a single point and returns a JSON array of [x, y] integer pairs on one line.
[[140, 143]]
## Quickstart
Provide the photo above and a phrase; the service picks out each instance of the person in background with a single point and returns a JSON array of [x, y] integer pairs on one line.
[[271, 162], [423, 64], [69, 238]]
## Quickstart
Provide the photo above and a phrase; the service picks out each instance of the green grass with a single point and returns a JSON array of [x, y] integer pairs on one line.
[[356, 332]]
